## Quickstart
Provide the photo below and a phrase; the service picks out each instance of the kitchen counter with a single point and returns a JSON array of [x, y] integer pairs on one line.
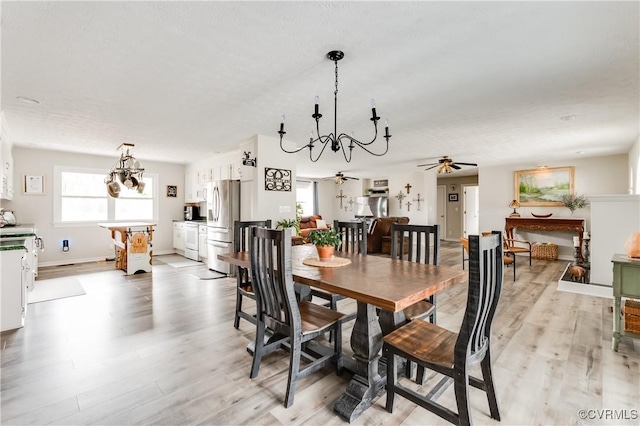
[[14, 244], [20, 230]]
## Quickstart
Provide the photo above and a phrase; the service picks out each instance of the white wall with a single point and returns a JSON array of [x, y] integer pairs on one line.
[[86, 242], [593, 176], [634, 168]]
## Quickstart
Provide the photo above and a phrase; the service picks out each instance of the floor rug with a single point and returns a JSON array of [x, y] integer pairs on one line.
[[56, 288], [177, 261], [206, 274]]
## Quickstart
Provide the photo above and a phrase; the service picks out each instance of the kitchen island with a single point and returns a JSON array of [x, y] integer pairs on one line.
[[133, 248]]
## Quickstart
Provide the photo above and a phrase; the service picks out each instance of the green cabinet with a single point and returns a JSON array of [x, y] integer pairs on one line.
[[626, 283]]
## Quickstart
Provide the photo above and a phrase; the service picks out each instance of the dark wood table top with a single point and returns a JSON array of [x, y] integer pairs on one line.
[[391, 285]]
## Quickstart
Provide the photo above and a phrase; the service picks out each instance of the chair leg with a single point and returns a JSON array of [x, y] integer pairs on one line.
[[294, 368], [392, 379], [257, 350], [236, 321], [487, 377], [461, 388], [432, 317], [514, 267]]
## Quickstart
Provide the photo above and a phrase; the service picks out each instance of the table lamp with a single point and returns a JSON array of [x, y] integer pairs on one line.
[[514, 205]]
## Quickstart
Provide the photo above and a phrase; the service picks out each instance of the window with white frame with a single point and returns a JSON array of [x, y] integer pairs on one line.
[[80, 196]]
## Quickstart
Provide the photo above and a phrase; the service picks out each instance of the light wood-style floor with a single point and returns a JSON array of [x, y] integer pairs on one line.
[[160, 348]]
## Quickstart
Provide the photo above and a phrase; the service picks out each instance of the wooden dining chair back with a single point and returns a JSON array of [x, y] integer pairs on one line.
[[241, 238], [354, 236], [290, 321], [454, 354], [421, 244]]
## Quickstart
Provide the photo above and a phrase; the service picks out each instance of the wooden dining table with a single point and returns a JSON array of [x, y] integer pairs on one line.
[[374, 282]]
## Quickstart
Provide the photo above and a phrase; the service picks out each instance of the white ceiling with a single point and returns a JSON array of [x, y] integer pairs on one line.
[[484, 82]]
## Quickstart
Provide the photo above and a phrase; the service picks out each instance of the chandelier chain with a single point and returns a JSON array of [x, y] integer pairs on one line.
[[336, 92]]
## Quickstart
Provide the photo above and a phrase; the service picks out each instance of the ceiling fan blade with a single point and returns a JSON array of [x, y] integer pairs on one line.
[[350, 177], [467, 164], [430, 164], [432, 167], [453, 166]]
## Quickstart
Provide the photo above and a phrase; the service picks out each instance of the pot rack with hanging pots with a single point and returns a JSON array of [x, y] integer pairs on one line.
[[127, 171]]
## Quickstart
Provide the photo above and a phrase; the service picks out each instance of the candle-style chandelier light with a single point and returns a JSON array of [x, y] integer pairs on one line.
[[337, 142], [127, 170]]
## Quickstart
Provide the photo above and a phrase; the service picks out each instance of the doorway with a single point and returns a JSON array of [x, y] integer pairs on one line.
[[470, 210], [442, 211]]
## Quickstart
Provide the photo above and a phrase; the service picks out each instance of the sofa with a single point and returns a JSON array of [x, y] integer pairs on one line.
[[379, 235], [309, 223]]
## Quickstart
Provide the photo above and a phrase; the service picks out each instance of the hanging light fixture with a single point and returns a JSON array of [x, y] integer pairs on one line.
[[341, 142], [127, 170]]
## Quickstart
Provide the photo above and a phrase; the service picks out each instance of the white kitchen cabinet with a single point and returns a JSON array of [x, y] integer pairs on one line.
[[178, 236], [202, 241], [13, 291]]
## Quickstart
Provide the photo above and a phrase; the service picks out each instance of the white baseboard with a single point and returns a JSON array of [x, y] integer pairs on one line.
[[96, 259]]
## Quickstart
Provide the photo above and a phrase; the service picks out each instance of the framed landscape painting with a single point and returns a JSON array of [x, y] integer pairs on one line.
[[543, 187]]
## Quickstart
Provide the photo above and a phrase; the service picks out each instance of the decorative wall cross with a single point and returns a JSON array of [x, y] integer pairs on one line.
[[408, 187], [409, 203], [400, 197], [418, 200], [341, 197], [350, 202]]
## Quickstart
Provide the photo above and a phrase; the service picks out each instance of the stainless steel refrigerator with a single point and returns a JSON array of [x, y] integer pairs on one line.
[[223, 209]]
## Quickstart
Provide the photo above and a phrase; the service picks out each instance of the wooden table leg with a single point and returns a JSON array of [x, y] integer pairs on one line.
[[366, 384]]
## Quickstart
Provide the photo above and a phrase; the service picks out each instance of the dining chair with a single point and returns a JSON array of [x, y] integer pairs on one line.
[[413, 243], [511, 246], [508, 257], [354, 240], [454, 354], [243, 280], [292, 322]]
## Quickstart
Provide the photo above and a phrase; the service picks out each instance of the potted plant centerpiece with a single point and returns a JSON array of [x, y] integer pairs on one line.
[[326, 241]]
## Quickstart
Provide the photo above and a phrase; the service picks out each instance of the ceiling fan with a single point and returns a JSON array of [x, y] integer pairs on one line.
[[446, 165], [340, 178]]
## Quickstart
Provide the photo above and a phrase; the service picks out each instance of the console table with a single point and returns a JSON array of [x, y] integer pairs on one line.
[[545, 224]]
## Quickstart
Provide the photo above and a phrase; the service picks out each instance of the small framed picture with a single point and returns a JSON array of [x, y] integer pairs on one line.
[[172, 191], [453, 197], [34, 185]]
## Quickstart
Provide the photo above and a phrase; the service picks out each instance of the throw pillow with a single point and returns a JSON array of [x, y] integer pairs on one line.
[[321, 224]]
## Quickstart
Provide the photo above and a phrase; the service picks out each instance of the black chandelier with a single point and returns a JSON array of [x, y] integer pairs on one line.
[[342, 141]]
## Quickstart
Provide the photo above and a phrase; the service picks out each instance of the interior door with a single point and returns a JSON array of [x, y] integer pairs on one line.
[[471, 213], [442, 211]]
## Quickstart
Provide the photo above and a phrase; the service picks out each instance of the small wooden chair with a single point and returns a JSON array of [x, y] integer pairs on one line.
[[243, 280], [292, 322], [511, 246], [453, 354]]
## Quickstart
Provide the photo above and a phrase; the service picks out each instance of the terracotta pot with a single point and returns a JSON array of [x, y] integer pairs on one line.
[[325, 253]]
